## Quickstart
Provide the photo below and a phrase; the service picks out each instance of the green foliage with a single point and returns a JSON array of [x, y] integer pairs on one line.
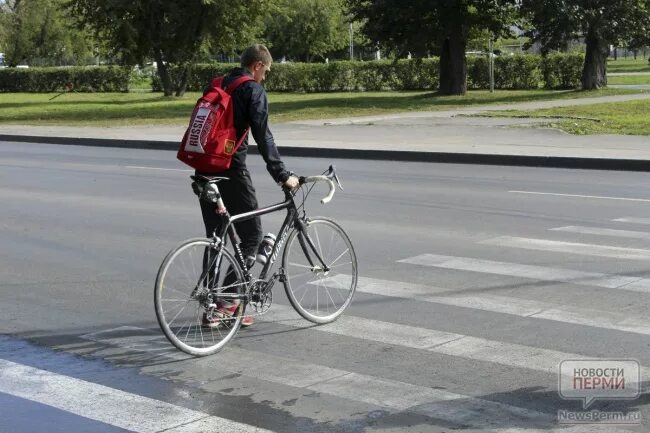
[[308, 77], [416, 74], [628, 65], [116, 109], [618, 22], [306, 29], [38, 33], [604, 118], [517, 72], [171, 32], [199, 75], [78, 79], [421, 27], [600, 22], [511, 72], [327, 77], [562, 71]]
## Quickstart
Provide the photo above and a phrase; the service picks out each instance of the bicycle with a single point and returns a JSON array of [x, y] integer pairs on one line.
[[318, 270]]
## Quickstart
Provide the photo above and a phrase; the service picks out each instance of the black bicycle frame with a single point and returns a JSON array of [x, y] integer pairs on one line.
[[291, 220]]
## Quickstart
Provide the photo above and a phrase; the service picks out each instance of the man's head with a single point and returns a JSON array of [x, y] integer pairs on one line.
[[257, 59]]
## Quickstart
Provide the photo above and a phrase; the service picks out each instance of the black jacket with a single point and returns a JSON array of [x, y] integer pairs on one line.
[[252, 109]]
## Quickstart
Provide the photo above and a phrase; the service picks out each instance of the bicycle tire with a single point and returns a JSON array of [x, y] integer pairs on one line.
[[183, 267], [304, 287]]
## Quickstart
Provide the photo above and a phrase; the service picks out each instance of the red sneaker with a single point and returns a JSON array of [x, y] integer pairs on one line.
[[227, 309]]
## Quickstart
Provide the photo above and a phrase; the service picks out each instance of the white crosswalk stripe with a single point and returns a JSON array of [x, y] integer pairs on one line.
[[445, 343], [503, 304], [633, 220], [108, 405], [541, 273], [598, 197], [390, 394], [569, 247], [603, 232]]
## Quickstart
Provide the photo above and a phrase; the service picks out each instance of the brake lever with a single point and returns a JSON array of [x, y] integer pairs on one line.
[[338, 182], [332, 175]]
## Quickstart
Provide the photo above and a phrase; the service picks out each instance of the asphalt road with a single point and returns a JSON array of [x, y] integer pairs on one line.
[[475, 283]]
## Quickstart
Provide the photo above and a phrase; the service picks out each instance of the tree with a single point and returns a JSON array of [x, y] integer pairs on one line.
[[422, 27], [600, 22], [305, 29], [36, 32], [170, 32]]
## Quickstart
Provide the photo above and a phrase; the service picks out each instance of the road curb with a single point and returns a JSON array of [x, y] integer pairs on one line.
[[369, 154]]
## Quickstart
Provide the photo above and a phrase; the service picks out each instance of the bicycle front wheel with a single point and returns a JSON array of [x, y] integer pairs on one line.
[[319, 295], [192, 280]]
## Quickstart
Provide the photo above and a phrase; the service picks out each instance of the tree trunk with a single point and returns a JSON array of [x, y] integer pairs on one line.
[[163, 73], [453, 66], [594, 72], [182, 84]]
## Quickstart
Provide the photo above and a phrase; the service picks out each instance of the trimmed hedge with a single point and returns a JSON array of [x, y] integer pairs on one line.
[[510, 72], [82, 79], [559, 71], [562, 71], [326, 77]]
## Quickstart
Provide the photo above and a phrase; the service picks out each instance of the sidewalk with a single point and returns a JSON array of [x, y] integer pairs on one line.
[[439, 136]]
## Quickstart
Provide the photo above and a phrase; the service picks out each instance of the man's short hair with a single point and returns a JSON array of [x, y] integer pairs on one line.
[[256, 53]]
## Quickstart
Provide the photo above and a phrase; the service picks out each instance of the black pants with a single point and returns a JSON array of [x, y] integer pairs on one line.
[[238, 195]]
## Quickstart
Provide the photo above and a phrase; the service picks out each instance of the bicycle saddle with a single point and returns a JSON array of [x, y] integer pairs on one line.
[[208, 179]]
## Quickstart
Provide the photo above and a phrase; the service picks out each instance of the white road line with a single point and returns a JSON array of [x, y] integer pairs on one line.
[[505, 305], [569, 247], [455, 408], [157, 168], [108, 405], [542, 273], [446, 343], [598, 231], [582, 196], [368, 329], [233, 360], [633, 220], [385, 393]]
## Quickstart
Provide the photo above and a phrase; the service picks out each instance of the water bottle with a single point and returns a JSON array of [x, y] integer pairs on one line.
[[266, 248]]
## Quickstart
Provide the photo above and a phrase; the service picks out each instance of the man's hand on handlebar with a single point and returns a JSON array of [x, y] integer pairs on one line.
[[292, 183]]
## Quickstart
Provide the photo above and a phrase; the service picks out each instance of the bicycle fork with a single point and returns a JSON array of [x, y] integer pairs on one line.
[[308, 248]]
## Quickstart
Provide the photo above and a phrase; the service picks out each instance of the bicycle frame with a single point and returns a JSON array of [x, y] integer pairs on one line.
[[291, 220]]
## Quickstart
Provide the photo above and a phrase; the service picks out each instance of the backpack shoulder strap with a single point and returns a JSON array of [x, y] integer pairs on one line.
[[217, 81], [238, 82], [214, 90]]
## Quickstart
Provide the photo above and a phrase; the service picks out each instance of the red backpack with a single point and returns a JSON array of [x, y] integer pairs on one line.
[[211, 138]]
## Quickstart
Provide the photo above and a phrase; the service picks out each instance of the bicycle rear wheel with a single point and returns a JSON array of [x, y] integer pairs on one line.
[[191, 279], [317, 295]]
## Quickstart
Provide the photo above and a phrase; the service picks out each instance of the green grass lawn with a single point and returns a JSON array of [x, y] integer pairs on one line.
[[632, 79], [119, 109], [628, 65], [632, 117]]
